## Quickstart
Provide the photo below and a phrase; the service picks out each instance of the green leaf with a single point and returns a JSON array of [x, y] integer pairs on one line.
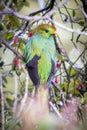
[[1, 27], [77, 93], [81, 23], [15, 1], [18, 72], [12, 124], [8, 36], [15, 21], [20, 4], [71, 85], [60, 57], [64, 86], [4, 86], [15, 45], [4, 79], [73, 13], [73, 71], [85, 97], [21, 46], [26, 4], [9, 100], [1, 63], [1, 7]]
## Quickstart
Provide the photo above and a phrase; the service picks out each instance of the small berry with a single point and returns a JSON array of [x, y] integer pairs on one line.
[[56, 80], [15, 40], [80, 86], [30, 34], [58, 65], [16, 62]]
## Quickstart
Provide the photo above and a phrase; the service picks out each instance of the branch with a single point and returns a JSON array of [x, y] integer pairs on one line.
[[9, 11], [48, 8], [2, 109], [35, 18], [10, 48], [83, 11], [67, 28], [84, 5], [13, 13], [55, 110], [31, 16]]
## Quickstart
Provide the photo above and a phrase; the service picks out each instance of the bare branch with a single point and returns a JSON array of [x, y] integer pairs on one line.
[[55, 110], [2, 104], [10, 48], [84, 13], [67, 28]]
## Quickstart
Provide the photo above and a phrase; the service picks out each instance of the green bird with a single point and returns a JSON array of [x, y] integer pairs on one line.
[[40, 55]]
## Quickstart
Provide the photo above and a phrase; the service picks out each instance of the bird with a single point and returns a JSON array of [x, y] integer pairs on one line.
[[40, 55]]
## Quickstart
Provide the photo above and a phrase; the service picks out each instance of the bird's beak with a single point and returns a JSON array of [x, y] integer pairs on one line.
[[55, 32]]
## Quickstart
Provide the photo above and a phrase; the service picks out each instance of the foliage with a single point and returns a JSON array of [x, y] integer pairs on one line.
[[70, 79]]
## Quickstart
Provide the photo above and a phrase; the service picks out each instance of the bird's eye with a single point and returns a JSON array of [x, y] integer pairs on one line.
[[46, 30]]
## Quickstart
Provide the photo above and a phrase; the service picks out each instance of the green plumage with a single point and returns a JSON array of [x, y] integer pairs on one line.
[[41, 44]]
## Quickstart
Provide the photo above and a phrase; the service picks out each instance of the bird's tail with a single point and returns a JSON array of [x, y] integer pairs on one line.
[[35, 109]]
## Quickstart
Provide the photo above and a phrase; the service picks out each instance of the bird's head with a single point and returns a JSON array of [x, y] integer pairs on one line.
[[46, 30]]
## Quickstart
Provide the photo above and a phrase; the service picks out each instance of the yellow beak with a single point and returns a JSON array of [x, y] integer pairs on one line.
[[55, 32]]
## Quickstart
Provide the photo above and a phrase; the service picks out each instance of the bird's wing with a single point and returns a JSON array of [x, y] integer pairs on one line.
[[32, 54], [52, 49], [32, 67], [27, 50], [32, 48]]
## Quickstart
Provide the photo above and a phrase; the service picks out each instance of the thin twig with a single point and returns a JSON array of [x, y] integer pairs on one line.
[[67, 28], [10, 48], [23, 102], [15, 93], [55, 110], [61, 92], [2, 105]]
